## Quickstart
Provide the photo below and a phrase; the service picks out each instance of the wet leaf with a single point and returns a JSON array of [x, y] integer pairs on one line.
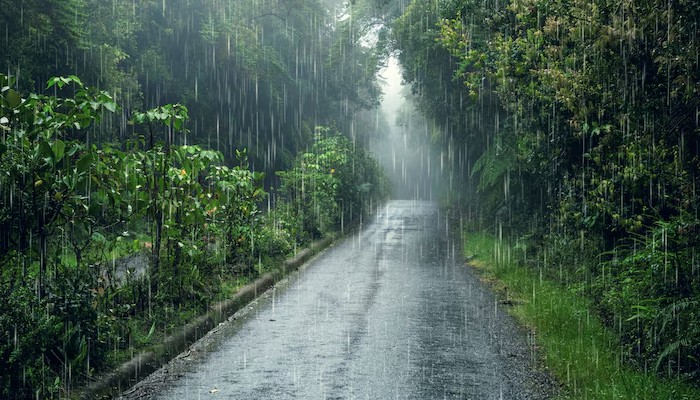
[[98, 237], [44, 151], [84, 163], [13, 98], [110, 106], [153, 329], [58, 150]]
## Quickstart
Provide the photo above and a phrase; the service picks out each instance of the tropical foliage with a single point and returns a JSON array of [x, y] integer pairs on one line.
[[578, 125], [76, 215], [253, 74], [332, 184], [116, 224]]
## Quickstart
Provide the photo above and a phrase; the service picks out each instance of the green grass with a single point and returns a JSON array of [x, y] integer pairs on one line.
[[574, 344], [145, 333], [229, 287]]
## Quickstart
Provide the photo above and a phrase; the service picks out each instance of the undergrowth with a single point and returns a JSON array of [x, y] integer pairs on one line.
[[582, 353]]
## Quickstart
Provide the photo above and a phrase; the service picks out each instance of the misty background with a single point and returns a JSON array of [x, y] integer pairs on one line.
[[402, 140]]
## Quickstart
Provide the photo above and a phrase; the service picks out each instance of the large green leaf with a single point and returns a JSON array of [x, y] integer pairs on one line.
[[58, 148], [75, 79], [44, 151], [73, 148], [13, 98], [84, 163]]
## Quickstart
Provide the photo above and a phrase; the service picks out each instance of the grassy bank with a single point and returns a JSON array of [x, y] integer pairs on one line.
[[582, 353]]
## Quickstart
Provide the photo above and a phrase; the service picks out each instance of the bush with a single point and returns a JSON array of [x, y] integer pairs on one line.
[[650, 291], [332, 184]]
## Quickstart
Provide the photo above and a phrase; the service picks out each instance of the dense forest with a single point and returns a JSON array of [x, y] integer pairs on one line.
[[158, 155], [259, 74], [573, 127]]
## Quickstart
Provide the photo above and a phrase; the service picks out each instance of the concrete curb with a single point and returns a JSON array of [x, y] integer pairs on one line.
[[145, 363]]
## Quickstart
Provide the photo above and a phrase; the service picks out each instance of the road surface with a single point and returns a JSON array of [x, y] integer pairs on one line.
[[390, 312]]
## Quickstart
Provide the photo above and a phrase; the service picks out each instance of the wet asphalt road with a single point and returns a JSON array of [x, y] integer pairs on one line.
[[388, 313]]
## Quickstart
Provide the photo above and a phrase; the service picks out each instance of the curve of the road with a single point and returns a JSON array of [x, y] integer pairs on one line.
[[390, 312]]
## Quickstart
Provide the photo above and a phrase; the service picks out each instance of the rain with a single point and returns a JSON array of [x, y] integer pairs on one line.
[[349, 199]]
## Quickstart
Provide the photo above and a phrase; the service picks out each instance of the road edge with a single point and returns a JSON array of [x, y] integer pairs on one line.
[[143, 364]]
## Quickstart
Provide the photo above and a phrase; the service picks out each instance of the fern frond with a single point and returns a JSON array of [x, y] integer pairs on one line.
[[670, 312], [493, 164], [670, 349]]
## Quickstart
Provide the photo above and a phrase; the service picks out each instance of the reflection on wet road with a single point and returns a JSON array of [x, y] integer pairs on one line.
[[390, 312]]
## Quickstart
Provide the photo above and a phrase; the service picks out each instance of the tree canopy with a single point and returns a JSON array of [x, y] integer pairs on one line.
[[254, 74]]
